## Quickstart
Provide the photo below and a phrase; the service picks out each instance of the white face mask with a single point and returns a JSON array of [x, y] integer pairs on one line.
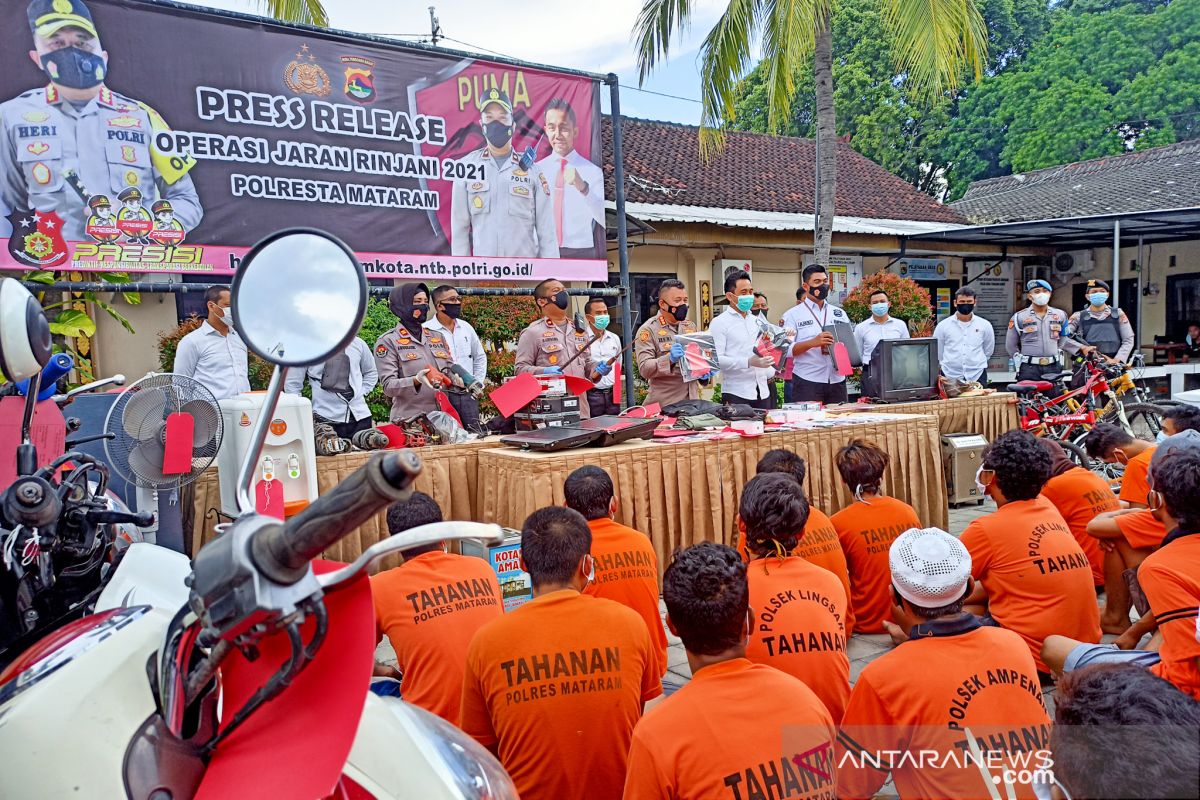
[[1040, 298], [227, 318], [978, 485]]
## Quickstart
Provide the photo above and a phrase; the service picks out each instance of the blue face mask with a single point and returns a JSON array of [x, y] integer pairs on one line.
[[745, 302], [1161, 437], [602, 321], [880, 309], [75, 68], [1098, 298]]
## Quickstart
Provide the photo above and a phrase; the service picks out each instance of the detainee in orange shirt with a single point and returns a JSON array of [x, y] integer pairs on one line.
[[819, 545], [1127, 541], [866, 529], [555, 687], [1170, 577], [952, 685], [737, 730], [430, 607], [1030, 571], [801, 608], [1079, 495], [626, 564]]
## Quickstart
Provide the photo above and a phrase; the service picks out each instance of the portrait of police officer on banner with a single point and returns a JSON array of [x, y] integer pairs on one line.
[[576, 186], [75, 139], [503, 209]]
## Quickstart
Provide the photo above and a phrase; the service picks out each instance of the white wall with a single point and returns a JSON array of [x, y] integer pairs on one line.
[[132, 354]]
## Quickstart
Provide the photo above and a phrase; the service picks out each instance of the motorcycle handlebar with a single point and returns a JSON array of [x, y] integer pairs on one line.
[[142, 519], [282, 552]]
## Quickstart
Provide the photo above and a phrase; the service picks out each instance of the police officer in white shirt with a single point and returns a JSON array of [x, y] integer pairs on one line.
[[214, 354], [814, 374], [745, 376], [340, 386], [465, 348], [965, 341], [576, 187], [604, 350], [871, 331]]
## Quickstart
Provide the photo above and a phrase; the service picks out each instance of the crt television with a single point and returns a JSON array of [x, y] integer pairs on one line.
[[907, 369]]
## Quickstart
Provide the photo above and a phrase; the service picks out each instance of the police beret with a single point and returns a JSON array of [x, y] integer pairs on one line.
[[160, 206], [47, 17], [132, 193], [97, 200], [495, 95], [1038, 283], [1095, 284]]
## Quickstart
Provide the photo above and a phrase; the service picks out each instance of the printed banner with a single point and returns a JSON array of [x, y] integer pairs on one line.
[[142, 138], [993, 281]]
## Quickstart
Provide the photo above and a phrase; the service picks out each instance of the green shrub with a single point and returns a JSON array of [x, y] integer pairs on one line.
[[909, 300]]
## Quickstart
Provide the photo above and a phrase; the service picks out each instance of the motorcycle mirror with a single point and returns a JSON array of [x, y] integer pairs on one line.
[[24, 332], [414, 537], [298, 298]]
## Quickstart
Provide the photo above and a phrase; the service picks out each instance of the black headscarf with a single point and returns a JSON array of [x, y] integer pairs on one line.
[[400, 301]]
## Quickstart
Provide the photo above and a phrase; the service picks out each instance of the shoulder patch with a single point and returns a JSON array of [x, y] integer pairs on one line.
[[1012, 323], [645, 335], [381, 350]]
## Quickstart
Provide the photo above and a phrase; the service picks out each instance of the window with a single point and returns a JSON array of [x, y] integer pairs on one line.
[[1183, 304]]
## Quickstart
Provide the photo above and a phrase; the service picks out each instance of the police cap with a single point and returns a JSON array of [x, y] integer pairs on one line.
[[98, 200], [494, 95], [161, 206], [47, 17], [132, 193], [1096, 284]]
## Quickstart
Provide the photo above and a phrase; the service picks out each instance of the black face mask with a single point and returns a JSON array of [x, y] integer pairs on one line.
[[758, 312], [965, 308], [452, 310], [498, 133], [562, 299], [420, 310], [819, 292], [75, 68], [679, 312]]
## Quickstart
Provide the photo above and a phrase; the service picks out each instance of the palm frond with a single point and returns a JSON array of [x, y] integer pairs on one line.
[[935, 39], [304, 12], [788, 32], [723, 59], [657, 22]]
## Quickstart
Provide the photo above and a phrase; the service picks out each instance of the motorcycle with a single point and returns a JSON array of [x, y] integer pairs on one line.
[[60, 532], [256, 685]]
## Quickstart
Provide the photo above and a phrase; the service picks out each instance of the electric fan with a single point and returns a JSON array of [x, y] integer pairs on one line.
[[166, 430]]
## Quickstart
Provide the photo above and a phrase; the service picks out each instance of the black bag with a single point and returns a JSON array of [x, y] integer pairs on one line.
[[691, 408], [335, 376], [736, 411]]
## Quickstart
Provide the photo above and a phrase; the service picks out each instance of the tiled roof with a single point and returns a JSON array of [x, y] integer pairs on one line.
[[1151, 180], [756, 172]]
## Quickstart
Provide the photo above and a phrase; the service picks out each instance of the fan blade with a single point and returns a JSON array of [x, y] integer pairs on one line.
[[146, 462], [144, 414], [207, 421]]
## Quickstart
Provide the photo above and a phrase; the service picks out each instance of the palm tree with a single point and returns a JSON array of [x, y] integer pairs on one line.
[[933, 41], [304, 12]]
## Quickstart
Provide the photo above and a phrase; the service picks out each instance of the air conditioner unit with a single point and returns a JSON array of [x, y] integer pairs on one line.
[[722, 267], [1030, 273], [1074, 262]]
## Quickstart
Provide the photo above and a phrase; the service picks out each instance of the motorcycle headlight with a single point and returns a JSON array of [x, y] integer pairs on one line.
[[462, 762]]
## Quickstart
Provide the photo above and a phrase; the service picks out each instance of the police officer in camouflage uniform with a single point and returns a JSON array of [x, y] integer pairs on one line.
[[501, 208], [413, 362], [76, 138], [1104, 328], [1035, 334], [658, 354]]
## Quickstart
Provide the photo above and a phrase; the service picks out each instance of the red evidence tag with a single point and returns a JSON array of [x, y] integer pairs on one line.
[[577, 385], [268, 498], [841, 359], [177, 455], [517, 393]]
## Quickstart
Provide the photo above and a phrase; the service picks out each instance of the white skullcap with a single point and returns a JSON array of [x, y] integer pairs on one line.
[[930, 568]]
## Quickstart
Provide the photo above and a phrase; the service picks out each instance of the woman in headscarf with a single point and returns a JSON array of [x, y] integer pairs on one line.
[[412, 361]]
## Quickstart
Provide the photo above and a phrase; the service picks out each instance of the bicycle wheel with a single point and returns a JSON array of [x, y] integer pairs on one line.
[[1145, 420], [1076, 453]]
